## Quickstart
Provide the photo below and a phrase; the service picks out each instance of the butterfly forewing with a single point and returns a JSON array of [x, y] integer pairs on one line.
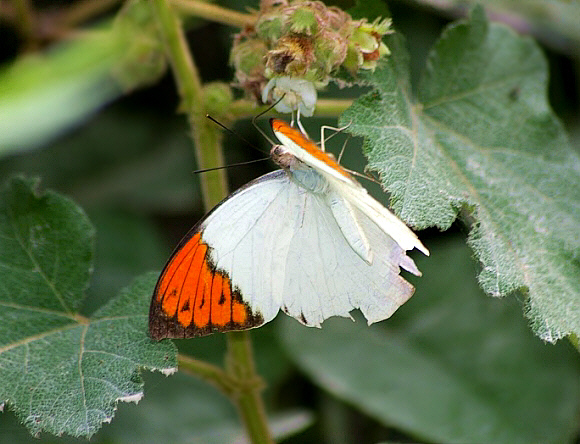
[[193, 298]]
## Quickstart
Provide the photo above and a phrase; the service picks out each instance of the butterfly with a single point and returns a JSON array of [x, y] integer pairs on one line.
[[306, 239]]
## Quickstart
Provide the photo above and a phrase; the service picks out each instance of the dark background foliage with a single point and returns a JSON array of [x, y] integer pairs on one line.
[[130, 166]]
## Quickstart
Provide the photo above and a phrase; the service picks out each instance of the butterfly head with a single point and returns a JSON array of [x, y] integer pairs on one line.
[[284, 158]]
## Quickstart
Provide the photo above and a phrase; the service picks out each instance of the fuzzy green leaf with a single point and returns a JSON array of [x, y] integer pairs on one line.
[[482, 138], [59, 371]]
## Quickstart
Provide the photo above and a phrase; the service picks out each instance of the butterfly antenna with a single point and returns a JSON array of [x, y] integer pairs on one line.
[[260, 130], [205, 170], [231, 131]]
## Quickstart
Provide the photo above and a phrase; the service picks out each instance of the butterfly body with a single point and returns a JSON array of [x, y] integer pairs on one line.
[[306, 239]]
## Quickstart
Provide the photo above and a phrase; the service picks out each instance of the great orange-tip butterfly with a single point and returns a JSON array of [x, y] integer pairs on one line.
[[307, 239]]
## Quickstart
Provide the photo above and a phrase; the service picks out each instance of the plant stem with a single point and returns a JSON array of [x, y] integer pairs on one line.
[[244, 108], [212, 12], [207, 137], [209, 372], [240, 364]]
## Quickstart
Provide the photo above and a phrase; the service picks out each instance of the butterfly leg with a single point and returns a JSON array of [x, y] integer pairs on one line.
[[336, 131], [300, 123]]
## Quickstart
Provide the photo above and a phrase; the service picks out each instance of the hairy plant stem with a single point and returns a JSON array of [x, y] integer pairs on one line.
[[208, 150], [215, 13], [208, 372], [244, 108], [206, 135], [240, 364]]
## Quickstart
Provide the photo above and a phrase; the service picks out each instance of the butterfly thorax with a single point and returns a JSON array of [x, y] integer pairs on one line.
[[303, 175]]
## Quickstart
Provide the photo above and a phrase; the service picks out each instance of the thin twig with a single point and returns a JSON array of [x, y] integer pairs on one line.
[[244, 108], [208, 372], [212, 12]]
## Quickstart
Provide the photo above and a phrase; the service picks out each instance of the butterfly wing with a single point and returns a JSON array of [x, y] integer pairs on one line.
[[307, 239], [330, 278], [273, 245], [221, 276]]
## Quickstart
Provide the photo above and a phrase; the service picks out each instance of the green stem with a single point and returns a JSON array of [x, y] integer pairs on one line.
[[212, 12], [243, 108], [207, 137], [240, 365], [209, 372]]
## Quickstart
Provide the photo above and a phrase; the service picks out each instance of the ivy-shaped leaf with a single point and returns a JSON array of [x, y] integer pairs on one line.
[[59, 371], [483, 138]]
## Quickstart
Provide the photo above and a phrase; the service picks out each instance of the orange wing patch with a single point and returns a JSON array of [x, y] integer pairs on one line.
[[308, 145], [192, 298]]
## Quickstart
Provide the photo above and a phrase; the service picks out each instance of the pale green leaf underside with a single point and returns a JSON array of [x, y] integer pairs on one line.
[[483, 137], [60, 372]]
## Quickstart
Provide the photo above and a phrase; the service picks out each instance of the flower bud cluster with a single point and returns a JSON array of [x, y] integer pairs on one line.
[[296, 46]]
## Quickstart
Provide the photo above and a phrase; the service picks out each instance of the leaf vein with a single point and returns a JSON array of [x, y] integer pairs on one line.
[[34, 262], [38, 337]]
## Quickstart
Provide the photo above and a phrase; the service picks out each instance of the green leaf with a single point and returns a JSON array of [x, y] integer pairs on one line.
[[61, 372], [180, 409], [449, 366], [483, 138], [46, 252], [555, 22], [42, 95]]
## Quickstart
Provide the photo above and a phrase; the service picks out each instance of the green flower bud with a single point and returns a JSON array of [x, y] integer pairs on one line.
[[218, 97], [303, 21], [366, 46]]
